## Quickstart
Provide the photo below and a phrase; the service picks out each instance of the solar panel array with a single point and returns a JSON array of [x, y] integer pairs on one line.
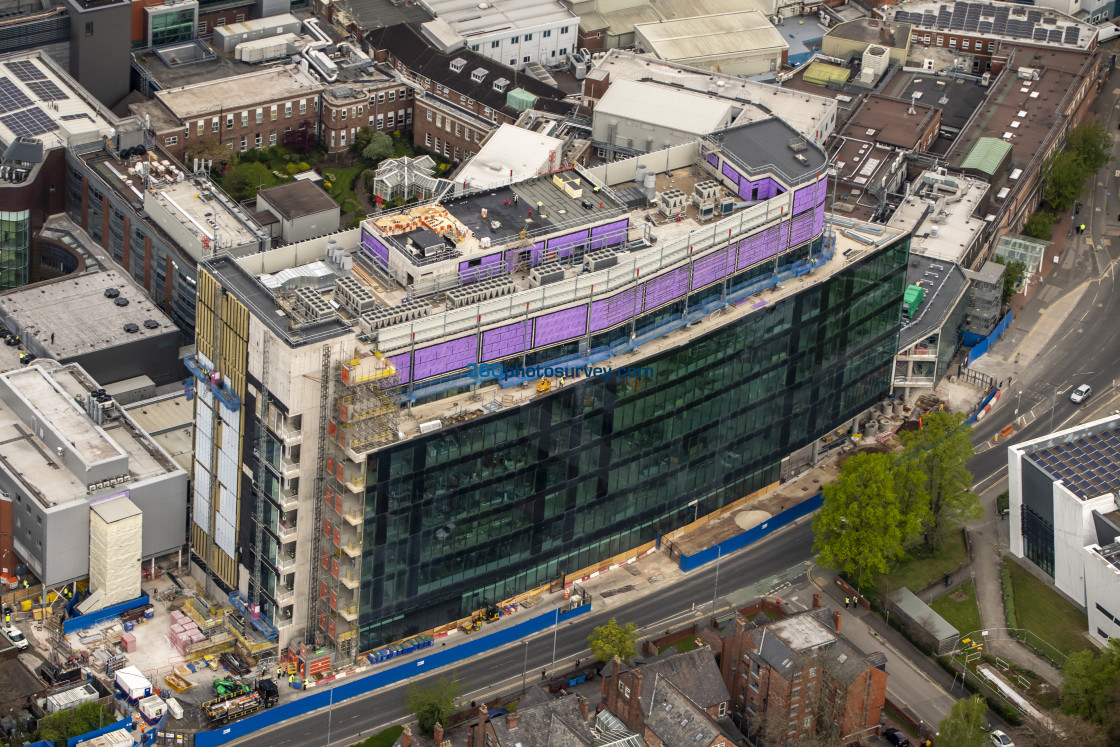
[[997, 20], [46, 90], [1089, 466], [25, 69], [29, 122], [11, 97]]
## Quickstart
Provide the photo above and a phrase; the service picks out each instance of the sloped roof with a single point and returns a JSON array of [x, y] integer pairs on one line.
[[553, 723], [986, 155], [694, 672], [676, 720]]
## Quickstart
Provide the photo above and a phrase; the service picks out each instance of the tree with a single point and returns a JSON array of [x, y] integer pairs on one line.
[[1064, 176], [244, 179], [966, 725], [1090, 683], [65, 724], [1038, 225], [209, 150], [380, 147], [1012, 275], [435, 703], [862, 525], [361, 140], [1055, 729], [941, 449], [611, 640], [1092, 143], [303, 138]]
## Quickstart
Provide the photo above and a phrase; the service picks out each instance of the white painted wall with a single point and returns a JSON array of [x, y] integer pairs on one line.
[[1102, 586]]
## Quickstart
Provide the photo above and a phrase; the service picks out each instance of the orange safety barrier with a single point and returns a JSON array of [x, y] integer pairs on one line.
[[1007, 431]]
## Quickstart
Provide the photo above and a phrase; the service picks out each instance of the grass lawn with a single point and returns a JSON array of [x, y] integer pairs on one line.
[[1045, 612], [962, 615], [920, 569], [341, 188], [683, 645], [381, 739]]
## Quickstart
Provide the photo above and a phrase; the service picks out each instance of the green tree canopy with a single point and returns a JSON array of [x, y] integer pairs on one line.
[[244, 179], [866, 520], [966, 725], [1064, 175], [380, 147], [940, 450], [433, 703], [361, 140], [1092, 683], [1092, 143], [65, 724], [209, 150], [1039, 225], [1015, 269], [611, 640]]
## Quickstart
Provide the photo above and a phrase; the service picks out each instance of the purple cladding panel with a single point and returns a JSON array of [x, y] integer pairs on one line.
[[562, 246], [804, 199], [403, 364], [822, 190], [611, 234], [710, 268], [731, 173], [818, 220], [761, 246], [375, 248], [713, 159], [763, 189], [802, 229], [536, 253], [562, 325], [617, 308], [666, 288], [503, 341], [445, 357], [485, 268]]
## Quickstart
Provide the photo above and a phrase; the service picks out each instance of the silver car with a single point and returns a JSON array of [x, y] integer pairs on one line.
[[1080, 394]]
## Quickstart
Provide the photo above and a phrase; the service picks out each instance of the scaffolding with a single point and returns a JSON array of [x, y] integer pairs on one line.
[[258, 480], [366, 414]]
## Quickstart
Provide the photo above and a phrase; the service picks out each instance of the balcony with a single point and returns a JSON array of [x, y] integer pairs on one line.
[[282, 621], [349, 614], [353, 515], [356, 484], [349, 580], [284, 595], [353, 550], [288, 499], [288, 468], [285, 562], [922, 381], [288, 436], [286, 531], [920, 353]]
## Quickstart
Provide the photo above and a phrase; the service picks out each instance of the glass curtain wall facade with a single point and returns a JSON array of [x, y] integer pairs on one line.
[[15, 248], [512, 501]]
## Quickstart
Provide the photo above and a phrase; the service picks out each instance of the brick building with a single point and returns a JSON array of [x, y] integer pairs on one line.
[[384, 104], [459, 95], [653, 697], [243, 112], [796, 676], [542, 720]]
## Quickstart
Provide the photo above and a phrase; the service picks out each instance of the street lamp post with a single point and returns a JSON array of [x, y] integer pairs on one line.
[[715, 589], [330, 712], [1019, 401], [524, 664]]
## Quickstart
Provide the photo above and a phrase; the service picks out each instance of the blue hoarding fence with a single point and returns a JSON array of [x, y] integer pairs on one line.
[[752, 535], [124, 723], [982, 346], [992, 394], [386, 677], [89, 620]]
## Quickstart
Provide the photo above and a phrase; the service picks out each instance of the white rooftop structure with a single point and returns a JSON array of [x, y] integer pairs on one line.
[[801, 632], [940, 210], [473, 18], [510, 154], [39, 100], [259, 87], [751, 101], [668, 107], [202, 220], [513, 32], [707, 39]]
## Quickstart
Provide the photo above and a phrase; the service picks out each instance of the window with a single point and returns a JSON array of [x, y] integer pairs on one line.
[[952, 41], [392, 95], [563, 29], [627, 692], [240, 18], [515, 40], [620, 685], [474, 47], [380, 121], [439, 121], [171, 141], [259, 139], [272, 138], [525, 58], [288, 109], [229, 121], [458, 130], [303, 106], [964, 44], [260, 116], [751, 709], [214, 125], [812, 672], [427, 140], [201, 127], [342, 138], [1105, 612], [528, 37], [512, 61], [722, 710], [360, 110], [244, 143], [991, 46], [941, 41], [272, 114], [563, 50], [493, 45], [437, 145], [390, 121], [202, 27], [456, 154], [429, 115], [89, 28], [381, 98], [344, 114], [220, 22], [244, 119], [546, 33]]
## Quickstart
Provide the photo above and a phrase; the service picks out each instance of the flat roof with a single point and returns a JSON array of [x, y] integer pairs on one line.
[[668, 107], [943, 282], [54, 395], [957, 98], [169, 421], [943, 227], [298, 198], [808, 113], [873, 31], [1086, 460], [204, 213], [114, 508], [257, 87], [889, 121], [734, 33], [801, 632], [71, 316], [510, 150], [767, 144], [210, 66], [471, 18], [39, 100]]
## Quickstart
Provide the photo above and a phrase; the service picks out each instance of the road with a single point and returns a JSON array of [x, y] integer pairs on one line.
[[503, 668]]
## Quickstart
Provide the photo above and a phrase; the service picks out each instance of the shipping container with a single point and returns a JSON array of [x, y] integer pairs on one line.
[[152, 708], [118, 738], [71, 698], [132, 683]]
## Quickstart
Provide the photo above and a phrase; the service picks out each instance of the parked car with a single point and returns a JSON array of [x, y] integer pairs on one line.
[[999, 739], [1081, 393], [896, 737], [15, 636]]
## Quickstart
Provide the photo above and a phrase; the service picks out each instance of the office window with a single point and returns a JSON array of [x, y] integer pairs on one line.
[[244, 119], [446, 149], [456, 154], [515, 40], [427, 140], [201, 27], [563, 29], [260, 116], [272, 138], [991, 46], [525, 59], [964, 44], [244, 143], [381, 98], [288, 109], [563, 50], [941, 41], [528, 37], [429, 115], [214, 125], [259, 139], [303, 106], [407, 116], [458, 130], [344, 115], [392, 95], [389, 121], [474, 47], [380, 121], [229, 121], [546, 33], [360, 110], [272, 114], [437, 145], [171, 141], [493, 45]]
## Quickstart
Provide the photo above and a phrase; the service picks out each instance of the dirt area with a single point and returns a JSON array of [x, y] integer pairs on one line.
[[958, 395]]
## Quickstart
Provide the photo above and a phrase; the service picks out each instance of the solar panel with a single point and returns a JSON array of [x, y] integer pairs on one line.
[[1034, 16], [79, 115], [985, 27], [46, 90], [29, 122], [25, 70], [1072, 35], [11, 98]]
